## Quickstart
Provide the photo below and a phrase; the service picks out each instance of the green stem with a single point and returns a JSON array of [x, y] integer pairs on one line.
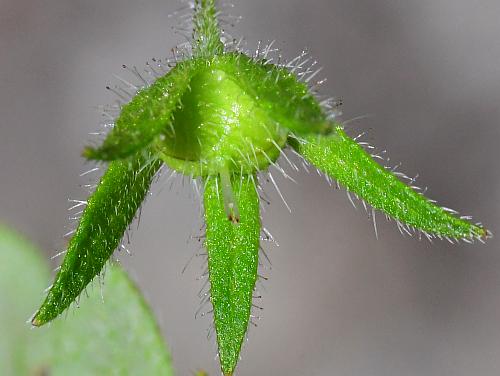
[[206, 33]]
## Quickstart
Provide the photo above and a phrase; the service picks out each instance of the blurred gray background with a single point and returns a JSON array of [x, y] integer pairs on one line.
[[338, 301]]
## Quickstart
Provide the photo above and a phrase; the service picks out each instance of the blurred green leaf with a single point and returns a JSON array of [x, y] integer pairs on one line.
[[23, 274], [116, 337]]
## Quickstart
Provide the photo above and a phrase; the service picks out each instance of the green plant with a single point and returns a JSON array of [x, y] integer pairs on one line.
[[222, 117]]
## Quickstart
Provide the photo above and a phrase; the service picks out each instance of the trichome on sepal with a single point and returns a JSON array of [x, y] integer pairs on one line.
[[223, 116]]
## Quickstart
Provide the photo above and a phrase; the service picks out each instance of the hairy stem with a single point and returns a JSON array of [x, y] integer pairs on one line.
[[206, 33]]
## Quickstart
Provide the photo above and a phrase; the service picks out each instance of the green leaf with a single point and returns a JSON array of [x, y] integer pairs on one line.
[[112, 334], [341, 158], [23, 275], [109, 211], [232, 242], [146, 117], [115, 337], [206, 34]]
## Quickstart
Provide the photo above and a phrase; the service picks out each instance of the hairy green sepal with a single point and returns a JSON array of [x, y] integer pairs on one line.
[[232, 248], [109, 211], [146, 117], [341, 158], [288, 101]]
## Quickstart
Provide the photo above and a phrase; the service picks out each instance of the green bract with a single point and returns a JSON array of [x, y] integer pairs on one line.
[[224, 117]]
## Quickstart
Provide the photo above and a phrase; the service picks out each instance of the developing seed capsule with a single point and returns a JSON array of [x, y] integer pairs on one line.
[[209, 115]]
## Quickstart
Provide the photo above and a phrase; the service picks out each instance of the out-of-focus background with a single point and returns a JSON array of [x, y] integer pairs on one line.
[[425, 77]]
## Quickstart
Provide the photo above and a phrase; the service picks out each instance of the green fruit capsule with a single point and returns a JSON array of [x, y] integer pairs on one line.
[[220, 125]]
